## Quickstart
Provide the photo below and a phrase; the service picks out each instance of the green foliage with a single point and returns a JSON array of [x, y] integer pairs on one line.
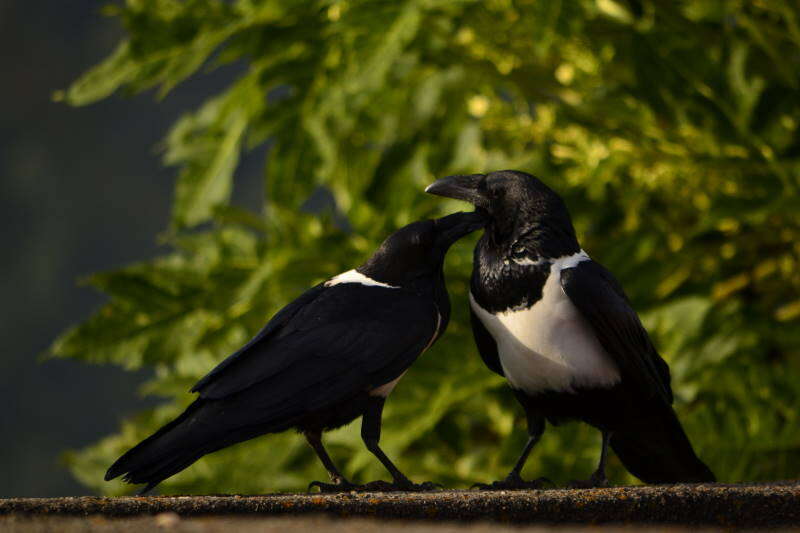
[[671, 128]]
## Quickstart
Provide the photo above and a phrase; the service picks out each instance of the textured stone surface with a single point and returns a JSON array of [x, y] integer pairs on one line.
[[227, 524], [744, 506]]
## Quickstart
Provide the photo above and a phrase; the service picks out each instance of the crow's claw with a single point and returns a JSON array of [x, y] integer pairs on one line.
[[427, 486], [403, 486], [514, 482], [342, 485], [338, 485], [594, 482]]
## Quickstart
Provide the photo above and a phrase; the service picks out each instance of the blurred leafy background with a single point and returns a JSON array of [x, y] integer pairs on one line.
[[671, 129]]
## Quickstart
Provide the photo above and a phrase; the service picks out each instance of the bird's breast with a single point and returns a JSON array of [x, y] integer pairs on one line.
[[548, 346]]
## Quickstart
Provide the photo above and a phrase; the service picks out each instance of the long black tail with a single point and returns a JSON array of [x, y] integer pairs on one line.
[[657, 450], [178, 444]]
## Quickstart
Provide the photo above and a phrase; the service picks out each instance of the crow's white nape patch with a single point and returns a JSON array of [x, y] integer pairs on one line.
[[569, 261], [549, 346], [354, 276]]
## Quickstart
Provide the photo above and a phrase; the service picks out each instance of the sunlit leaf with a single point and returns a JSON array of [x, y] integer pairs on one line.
[[671, 130]]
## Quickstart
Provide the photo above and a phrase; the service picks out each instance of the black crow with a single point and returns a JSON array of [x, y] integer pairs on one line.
[[332, 355], [559, 327]]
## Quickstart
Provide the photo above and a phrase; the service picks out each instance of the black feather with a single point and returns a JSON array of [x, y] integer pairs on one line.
[[314, 365], [601, 301], [487, 347], [655, 449], [275, 324], [529, 230], [373, 331], [348, 339]]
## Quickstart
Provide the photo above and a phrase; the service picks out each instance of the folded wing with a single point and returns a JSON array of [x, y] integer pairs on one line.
[[602, 302], [343, 339]]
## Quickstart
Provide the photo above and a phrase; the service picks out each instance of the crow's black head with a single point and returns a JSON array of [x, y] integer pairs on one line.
[[527, 219], [416, 252]]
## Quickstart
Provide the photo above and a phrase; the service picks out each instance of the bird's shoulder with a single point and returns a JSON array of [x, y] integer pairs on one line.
[[372, 303], [339, 321], [601, 300]]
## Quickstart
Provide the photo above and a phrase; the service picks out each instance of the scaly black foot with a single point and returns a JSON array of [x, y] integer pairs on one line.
[[595, 481], [373, 486], [338, 485], [515, 482], [402, 486]]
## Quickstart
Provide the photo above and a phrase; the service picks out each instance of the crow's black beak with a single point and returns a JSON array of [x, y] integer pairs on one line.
[[452, 227], [461, 187]]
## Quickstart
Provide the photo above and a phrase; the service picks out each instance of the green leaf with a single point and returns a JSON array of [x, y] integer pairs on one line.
[[670, 129], [101, 81]]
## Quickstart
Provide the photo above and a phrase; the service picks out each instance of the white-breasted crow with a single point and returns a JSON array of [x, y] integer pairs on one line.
[[559, 327], [330, 356]]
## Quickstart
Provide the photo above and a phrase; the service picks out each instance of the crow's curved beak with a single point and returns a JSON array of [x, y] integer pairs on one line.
[[460, 187]]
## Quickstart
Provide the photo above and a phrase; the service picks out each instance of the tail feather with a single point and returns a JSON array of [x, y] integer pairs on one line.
[[146, 453], [169, 450], [657, 450], [198, 431], [165, 469]]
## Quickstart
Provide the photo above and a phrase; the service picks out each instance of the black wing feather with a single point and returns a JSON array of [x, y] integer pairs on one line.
[[326, 347], [349, 337], [602, 302], [275, 324], [487, 347]]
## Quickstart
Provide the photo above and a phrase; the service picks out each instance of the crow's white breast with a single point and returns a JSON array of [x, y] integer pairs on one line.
[[549, 346]]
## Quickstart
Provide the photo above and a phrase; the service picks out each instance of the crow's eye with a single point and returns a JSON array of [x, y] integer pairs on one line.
[[518, 251]]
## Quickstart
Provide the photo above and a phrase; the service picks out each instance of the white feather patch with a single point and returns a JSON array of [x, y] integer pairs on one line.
[[354, 276], [549, 346]]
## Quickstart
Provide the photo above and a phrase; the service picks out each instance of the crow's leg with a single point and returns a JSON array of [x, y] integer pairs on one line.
[[338, 482], [598, 478], [371, 434], [536, 426]]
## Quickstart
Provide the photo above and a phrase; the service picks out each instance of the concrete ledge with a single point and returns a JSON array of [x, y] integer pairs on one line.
[[742, 506]]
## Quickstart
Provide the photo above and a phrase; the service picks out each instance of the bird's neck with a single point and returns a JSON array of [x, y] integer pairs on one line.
[[402, 276], [500, 284], [384, 268], [538, 238], [426, 285]]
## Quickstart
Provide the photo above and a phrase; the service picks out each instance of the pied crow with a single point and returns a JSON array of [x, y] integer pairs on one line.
[[332, 355], [559, 327]]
